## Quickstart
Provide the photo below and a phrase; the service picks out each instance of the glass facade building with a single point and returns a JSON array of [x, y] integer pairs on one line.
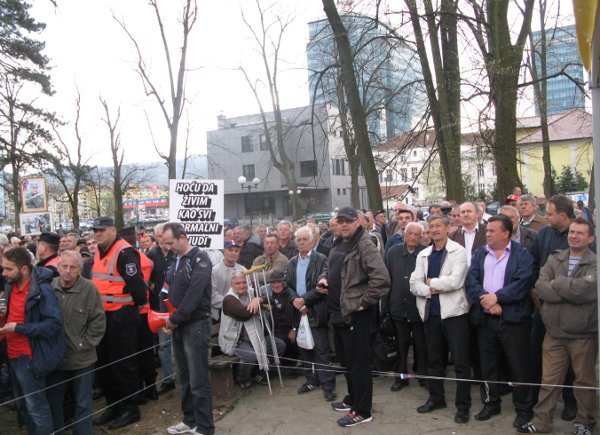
[[562, 52], [387, 71]]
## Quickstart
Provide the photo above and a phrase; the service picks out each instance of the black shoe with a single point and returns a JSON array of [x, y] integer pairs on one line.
[[151, 393], [107, 416], [125, 418], [429, 406], [398, 385], [522, 419], [165, 387], [569, 412], [487, 412], [330, 395], [462, 416]]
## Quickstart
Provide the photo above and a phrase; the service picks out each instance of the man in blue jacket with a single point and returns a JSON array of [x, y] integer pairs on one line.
[[34, 336], [498, 286]]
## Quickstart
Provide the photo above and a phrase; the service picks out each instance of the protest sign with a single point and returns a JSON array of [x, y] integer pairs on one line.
[[199, 206]]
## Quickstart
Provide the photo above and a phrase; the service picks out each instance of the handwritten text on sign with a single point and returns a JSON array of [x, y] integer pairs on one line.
[[199, 206]]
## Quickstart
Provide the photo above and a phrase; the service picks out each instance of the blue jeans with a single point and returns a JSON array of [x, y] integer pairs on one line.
[[191, 346], [81, 385], [35, 408], [164, 351]]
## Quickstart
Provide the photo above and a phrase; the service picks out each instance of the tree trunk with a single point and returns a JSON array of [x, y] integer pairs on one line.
[[357, 113], [443, 91]]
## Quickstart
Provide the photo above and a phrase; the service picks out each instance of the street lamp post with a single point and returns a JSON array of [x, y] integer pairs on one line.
[[251, 185], [291, 193]]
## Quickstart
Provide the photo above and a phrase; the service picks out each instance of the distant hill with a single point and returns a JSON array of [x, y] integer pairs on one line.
[[197, 167]]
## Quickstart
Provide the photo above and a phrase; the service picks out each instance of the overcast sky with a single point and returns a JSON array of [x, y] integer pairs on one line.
[[89, 50]]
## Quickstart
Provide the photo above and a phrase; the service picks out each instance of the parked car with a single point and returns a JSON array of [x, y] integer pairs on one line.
[[320, 216]]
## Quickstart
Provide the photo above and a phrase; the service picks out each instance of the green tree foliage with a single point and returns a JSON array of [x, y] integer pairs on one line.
[[21, 56], [571, 180], [24, 126]]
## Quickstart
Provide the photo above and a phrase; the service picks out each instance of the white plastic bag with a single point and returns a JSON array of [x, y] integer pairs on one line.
[[304, 337]]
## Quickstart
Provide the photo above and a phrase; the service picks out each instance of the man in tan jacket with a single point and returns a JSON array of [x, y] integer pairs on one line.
[[567, 288]]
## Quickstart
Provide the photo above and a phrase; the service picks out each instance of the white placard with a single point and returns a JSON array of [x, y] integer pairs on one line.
[[199, 205]]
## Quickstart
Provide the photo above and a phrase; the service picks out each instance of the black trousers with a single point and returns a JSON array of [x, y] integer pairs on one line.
[[323, 373], [404, 332], [147, 372], [513, 340], [353, 350], [119, 380], [443, 335]]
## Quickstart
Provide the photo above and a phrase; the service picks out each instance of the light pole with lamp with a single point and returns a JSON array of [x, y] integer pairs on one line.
[[251, 185], [291, 193]]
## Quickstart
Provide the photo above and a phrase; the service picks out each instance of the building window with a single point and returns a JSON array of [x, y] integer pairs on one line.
[[493, 169], [263, 142], [415, 153], [402, 157], [344, 192], [339, 192], [481, 187], [480, 169], [413, 172], [308, 168], [248, 172], [339, 167], [247, 145], [389, 176], [403, 174]]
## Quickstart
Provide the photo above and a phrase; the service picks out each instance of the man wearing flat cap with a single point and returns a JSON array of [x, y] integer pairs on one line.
[[47, 251], [118, 275], [355, 281]]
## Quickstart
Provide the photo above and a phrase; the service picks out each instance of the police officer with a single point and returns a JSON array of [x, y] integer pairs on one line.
[[118, 275], [47, 251], [145, 341]]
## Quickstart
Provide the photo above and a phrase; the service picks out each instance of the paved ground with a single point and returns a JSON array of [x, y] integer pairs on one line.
[[286, 412]]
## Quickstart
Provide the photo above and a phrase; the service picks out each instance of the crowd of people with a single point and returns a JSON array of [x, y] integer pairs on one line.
[[509, 300]]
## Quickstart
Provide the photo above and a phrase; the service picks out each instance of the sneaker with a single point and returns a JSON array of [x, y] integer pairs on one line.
[[244, 385], [353, 419], [181, 428], [582, 430], [340, 406], [528, 428], [261, 379], [305, 388]]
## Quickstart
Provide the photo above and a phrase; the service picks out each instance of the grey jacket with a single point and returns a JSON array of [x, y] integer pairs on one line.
[[84, 322], [365, 279], [569, 304]]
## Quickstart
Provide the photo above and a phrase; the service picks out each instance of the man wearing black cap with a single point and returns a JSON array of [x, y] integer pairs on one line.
[[118, 275], [47, 251], [356, 280]]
